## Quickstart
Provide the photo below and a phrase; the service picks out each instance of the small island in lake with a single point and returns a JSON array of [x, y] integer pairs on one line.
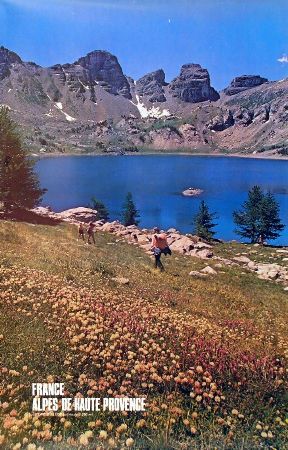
[[192, 192]]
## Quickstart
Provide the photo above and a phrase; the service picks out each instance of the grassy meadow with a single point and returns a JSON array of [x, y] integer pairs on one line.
[[208, 353]]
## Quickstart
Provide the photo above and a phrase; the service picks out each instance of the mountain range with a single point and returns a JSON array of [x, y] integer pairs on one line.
[[92, 106]]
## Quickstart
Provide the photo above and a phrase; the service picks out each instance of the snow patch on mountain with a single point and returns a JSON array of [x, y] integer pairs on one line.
[[85, 87], [59, 106], [154, 112]]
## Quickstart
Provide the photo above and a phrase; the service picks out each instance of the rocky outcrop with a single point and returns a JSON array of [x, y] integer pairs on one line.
[[240, 84], [262, 114], [73, 76], [80, 214], [73, 215], [222, 121], [193, 85], [189, 133], [244, 117], [151, 86], [265, 271]]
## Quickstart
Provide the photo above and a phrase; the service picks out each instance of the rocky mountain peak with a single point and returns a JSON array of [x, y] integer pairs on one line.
[[244, 82], [6, 59], [193, 70], [96, 59], [151, 85], [193, 85], [9, 57], [104, 69]]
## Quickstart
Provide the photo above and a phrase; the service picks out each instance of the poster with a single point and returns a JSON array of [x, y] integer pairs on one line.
[[143, 224]]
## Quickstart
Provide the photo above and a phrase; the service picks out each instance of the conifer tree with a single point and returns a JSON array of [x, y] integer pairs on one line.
[[248, 218], [129, 212], [258, 219], [204, 222], [102, 211], [270, 223], [19, 185]]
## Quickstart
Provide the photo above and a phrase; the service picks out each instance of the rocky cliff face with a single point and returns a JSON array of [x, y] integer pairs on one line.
[[193, 85], [98, 68], [151, 86], [104, 69], [222, 121], [255, 120], [240, 84]]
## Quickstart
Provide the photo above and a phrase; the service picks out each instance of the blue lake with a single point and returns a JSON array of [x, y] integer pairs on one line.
[[156, 183]]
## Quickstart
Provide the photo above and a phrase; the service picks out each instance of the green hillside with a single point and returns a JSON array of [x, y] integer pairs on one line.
[[208, 353]]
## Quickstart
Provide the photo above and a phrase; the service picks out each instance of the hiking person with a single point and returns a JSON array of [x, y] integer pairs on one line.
[[81, 231], [157, 255], [159, 246], [90, 232]]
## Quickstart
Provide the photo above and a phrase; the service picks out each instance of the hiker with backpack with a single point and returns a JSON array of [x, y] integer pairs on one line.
[[159, 246]]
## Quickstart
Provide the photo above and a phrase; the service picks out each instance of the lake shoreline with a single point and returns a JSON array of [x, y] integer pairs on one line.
[[160, 153]]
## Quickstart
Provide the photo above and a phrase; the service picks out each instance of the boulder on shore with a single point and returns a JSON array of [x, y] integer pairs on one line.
[[73, 215], [80, 214]]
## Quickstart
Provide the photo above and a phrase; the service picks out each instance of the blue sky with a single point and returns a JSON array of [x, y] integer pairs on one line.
[[228, 37]]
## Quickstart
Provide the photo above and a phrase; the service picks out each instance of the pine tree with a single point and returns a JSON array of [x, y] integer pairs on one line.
[[204, 222], [258, 220], [130, 213], [270, 224], [19, 185], [248, 218], [102, 212]]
